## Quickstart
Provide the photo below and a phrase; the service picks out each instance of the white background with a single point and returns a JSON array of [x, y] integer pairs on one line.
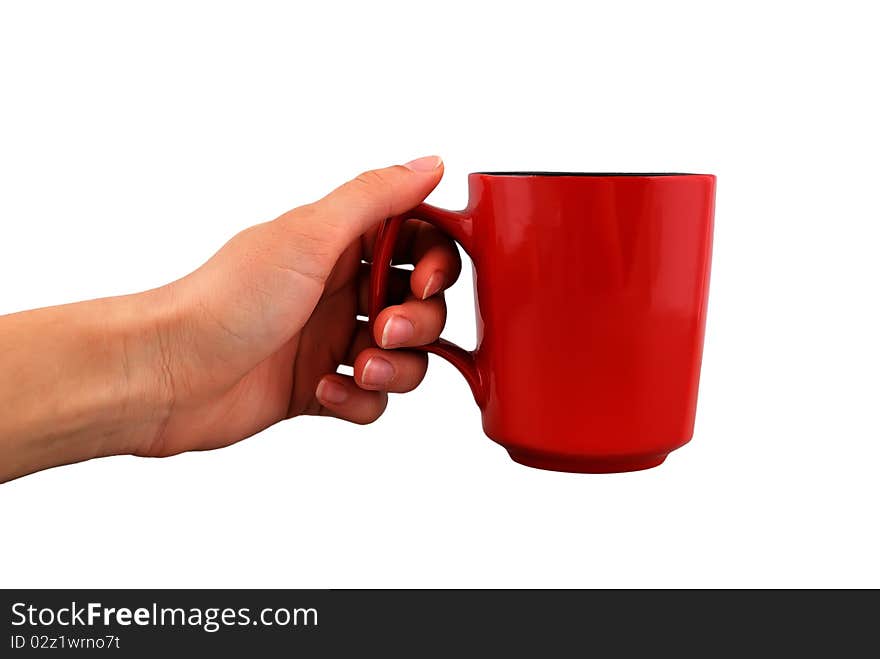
[[135, 138]]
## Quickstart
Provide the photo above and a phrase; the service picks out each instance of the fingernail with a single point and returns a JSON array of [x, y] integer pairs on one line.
[[397, 331], [435, 283], [377, 372], [426, 164], [330, 392]]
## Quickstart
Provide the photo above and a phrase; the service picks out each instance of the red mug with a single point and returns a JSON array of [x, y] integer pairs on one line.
[[591, 308]]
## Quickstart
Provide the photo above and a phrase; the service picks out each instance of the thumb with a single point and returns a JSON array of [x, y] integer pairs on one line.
[[332, 223]]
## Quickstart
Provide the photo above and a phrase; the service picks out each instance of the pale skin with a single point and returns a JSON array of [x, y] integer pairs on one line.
[[252, 337]]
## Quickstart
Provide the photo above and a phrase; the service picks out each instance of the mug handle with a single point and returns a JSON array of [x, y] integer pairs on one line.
[[458, 225]]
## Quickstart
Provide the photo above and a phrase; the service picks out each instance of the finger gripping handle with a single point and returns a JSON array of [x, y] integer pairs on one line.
[[458, 226]]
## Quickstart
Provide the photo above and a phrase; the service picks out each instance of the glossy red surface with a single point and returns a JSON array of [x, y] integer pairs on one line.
[[591, 308]]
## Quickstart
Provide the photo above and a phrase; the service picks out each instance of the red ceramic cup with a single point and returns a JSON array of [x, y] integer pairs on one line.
[[591, 306]]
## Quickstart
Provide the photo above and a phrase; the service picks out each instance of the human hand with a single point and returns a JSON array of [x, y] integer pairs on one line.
[[256, 334]]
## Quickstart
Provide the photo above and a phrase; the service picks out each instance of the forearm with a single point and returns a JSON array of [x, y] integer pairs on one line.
[[80, 381]]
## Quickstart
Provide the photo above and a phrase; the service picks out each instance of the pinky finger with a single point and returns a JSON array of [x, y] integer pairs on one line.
[[339, 396]]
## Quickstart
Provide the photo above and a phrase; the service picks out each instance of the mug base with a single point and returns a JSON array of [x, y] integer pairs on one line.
[[586, 465]]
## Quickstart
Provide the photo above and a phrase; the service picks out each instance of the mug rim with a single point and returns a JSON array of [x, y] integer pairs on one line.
[[538, 173]]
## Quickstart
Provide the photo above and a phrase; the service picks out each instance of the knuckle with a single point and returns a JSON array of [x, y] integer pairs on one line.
[[303, 243], [372, 178], [376, 185]]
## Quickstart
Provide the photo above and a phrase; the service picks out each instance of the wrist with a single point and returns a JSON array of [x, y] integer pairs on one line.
[[145, 395], [123, 394], [81, 381]]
